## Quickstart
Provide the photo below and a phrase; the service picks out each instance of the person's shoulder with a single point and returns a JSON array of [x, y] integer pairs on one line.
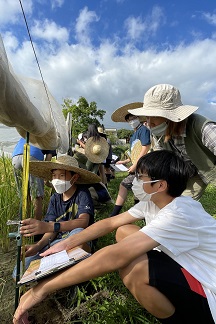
[[81, 190], [144, 129]]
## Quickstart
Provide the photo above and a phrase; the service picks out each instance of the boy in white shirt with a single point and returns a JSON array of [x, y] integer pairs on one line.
[[169, 265]]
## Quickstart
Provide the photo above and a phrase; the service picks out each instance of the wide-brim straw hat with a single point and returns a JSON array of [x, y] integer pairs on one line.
[[43, 169], [96, 151], [164, 100], [119, 114], [135, 151]]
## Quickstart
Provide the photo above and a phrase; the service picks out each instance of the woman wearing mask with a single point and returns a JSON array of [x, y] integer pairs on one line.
[[70, 209], [177, 128]]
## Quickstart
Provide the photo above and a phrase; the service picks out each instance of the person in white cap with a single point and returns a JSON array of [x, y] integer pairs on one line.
[[176, 127]]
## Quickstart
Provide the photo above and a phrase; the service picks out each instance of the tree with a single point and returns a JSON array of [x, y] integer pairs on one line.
[[83, 114], [124, 133]]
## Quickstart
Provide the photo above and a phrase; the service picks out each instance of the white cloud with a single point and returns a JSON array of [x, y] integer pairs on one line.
[[112, 75], [210, 18], [11, 11], [156, 19], [135, 27], [49, 31], [138, 28], [83, 22], [57, 3]]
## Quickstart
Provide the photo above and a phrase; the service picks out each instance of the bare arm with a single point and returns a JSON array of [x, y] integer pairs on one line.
[[92, 232], [106, 260], [31, 226]]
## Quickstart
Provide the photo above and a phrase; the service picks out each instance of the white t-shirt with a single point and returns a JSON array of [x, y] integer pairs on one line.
[[187, 233]]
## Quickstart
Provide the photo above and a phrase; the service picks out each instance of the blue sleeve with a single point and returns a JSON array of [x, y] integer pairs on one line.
[[144, 136]]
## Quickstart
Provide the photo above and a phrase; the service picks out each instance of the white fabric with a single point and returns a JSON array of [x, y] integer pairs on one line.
[[28, 105], [187, 233]]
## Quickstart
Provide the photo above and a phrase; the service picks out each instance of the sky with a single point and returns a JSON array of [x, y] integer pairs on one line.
[[113, 51]]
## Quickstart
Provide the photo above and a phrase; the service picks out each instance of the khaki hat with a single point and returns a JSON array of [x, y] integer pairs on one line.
[[164, 100], [96, 151], [119, 114], [135, 151], [43, 169]]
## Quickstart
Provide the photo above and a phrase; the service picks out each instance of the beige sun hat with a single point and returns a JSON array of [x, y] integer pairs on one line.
[[119, 114], [164, 100], [96, 151], [43, 169], [135, 151]]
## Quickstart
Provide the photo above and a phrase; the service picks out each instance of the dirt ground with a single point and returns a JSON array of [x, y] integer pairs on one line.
[[41, 314]]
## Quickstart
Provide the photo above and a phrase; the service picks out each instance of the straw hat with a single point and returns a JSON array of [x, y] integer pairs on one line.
[[164, 100], [96, 151], [135, 151], [43, 169], [119, 114], [101, 130]]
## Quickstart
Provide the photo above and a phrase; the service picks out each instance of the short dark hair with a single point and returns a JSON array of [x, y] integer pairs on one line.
[[127, 116], [165, 165]]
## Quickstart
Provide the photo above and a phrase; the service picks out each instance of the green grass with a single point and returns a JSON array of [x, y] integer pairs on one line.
[[103, 300]]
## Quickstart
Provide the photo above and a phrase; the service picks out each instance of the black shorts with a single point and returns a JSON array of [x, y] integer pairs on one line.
[[182, 289]]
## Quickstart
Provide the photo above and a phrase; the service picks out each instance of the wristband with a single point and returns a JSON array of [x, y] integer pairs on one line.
[[56, 227]]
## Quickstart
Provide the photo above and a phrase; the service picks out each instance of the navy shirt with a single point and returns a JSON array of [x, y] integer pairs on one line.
[[60, 211]]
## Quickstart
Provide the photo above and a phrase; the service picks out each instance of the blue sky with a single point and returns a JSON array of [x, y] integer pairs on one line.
[[113, 51]]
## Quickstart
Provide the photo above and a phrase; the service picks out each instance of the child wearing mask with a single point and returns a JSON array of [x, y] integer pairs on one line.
[[70, 209]]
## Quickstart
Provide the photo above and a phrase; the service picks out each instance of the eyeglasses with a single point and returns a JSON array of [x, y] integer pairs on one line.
[[139, 176]]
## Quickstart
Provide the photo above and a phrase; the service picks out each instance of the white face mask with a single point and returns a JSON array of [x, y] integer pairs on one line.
[[159, 130], [61, 186], [134, 123], [138, 190]]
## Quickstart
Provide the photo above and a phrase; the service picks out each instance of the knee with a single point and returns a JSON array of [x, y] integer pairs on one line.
[[126, 230], [135, 275]]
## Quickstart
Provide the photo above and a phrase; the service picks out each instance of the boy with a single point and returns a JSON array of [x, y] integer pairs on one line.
[[175, 282], [70, 209]]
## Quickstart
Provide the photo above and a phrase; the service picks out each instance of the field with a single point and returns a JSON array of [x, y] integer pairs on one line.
[[102, 300]]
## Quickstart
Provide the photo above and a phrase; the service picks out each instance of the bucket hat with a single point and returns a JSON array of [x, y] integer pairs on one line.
[[96, 151], [43, 169], [119, 114], [164, 100]]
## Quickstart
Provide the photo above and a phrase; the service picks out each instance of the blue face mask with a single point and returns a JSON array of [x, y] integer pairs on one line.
[[159, 130]]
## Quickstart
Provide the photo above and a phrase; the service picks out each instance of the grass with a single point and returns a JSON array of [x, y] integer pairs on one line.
[[104, 300]]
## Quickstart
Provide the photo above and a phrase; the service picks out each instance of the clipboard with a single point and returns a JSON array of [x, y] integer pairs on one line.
[[33, 273]]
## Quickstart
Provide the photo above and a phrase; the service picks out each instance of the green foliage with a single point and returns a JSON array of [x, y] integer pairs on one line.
[[9, 200], [83, 114], [124, 133], [120, 150]]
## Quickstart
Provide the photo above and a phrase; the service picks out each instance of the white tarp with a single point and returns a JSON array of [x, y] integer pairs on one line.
[[28, 105]]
